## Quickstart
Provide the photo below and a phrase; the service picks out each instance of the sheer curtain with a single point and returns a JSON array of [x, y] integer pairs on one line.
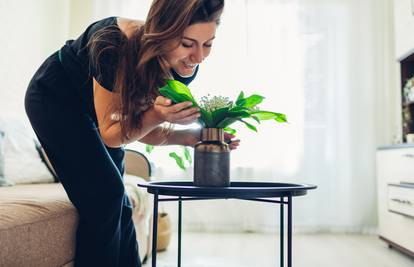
[[134, 9], [314, 60]]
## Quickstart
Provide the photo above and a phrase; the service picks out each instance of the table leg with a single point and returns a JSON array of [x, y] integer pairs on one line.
[[289, 239], [154, 230], [179, 231], [282, 234]]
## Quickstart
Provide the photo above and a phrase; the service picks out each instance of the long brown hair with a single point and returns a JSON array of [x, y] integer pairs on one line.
[[141, 67]]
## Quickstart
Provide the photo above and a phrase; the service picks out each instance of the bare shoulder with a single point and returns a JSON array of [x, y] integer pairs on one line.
[[129, 26]]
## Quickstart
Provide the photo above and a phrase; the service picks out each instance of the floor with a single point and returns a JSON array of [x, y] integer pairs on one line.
[[261, 250]]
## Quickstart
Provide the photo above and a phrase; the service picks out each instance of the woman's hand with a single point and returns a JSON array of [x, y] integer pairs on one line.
[[180, 113], [190, 137], [233, 143]]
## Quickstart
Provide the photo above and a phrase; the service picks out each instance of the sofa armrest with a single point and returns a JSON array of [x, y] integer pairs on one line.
[[137, 164]]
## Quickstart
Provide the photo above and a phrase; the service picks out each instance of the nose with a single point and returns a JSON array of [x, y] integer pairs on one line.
[[198, 55]]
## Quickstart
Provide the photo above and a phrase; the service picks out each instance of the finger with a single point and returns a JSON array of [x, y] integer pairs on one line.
[[187, 113], [160, 100], [180, 106], [235, 141], [232, 147], [188, 120], [228, 135]]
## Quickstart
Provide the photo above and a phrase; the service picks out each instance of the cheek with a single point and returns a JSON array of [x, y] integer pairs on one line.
[[175, 55], [207, 52]]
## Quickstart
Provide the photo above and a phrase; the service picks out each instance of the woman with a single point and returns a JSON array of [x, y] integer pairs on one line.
[[100, 92]]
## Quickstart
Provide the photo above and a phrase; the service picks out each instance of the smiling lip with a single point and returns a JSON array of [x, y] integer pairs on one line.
[[189, 66]]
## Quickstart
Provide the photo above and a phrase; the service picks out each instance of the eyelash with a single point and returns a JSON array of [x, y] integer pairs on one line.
[[189, 46]]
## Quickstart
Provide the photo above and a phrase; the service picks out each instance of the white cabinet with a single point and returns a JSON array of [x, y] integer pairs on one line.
[[403, 27], [395, 173]]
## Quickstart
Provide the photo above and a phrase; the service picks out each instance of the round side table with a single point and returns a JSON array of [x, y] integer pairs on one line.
[[280, 193]]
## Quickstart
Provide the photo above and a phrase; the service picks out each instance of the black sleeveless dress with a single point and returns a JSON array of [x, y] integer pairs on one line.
[[59, 104]]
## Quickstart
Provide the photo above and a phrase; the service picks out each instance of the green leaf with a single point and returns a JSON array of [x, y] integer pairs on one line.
[[178, 160], [168, 92], [240, 99], [149, 148], [226, 122], [241, 102], [229, 130], [281, 117], [252, 101], [206, 119], [177, 92], [254, 117], [238, 114], [235, 114], [250, 126], [268, 115], [238, 108], [219, 114], [187, 155], [180, 88]]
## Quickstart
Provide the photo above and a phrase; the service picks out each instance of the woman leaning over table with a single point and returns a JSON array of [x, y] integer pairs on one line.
[[100, 92]]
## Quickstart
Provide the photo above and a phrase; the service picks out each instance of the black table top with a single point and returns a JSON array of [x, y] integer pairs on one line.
[[237, 189]]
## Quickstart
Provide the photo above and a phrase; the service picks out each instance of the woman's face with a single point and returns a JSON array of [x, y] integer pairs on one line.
[[194, 47]]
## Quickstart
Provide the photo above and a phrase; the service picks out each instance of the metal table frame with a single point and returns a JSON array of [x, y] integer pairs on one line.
[[279, 193]]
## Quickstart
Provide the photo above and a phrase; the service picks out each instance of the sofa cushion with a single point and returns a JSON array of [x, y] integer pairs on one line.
[[3, 181], [37, 225]]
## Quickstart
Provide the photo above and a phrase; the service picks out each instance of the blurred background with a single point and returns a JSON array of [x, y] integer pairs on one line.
[[332, 66]]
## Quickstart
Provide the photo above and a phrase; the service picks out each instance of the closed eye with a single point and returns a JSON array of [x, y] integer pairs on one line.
[[189, 42], [186, 45]]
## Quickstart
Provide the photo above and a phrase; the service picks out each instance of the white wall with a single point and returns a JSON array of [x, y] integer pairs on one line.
[[388, 97], [30, 31], [80, 16]]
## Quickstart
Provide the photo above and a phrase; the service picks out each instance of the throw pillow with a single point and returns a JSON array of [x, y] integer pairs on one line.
[[138, 196], [3, 181], [22, 163]]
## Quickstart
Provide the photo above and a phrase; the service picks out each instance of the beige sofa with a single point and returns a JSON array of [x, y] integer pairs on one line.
[[38, 222]]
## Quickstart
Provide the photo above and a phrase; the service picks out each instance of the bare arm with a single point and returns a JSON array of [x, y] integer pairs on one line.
[[109, 126], [188, 137], [160, 112], [161, 136]]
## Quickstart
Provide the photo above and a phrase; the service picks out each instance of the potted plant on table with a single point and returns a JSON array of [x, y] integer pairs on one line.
[[212, 154]]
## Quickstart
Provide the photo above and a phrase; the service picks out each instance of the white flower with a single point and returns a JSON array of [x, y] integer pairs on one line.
[[211, 104]]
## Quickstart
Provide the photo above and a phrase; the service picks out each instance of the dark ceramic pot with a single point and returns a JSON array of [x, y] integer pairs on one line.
[[212, 159]]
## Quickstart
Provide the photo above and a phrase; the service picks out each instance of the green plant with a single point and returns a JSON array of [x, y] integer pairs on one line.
[[181, 159], [218, 112]]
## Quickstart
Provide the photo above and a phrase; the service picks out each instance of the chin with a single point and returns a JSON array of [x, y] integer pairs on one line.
[[185, 73]]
